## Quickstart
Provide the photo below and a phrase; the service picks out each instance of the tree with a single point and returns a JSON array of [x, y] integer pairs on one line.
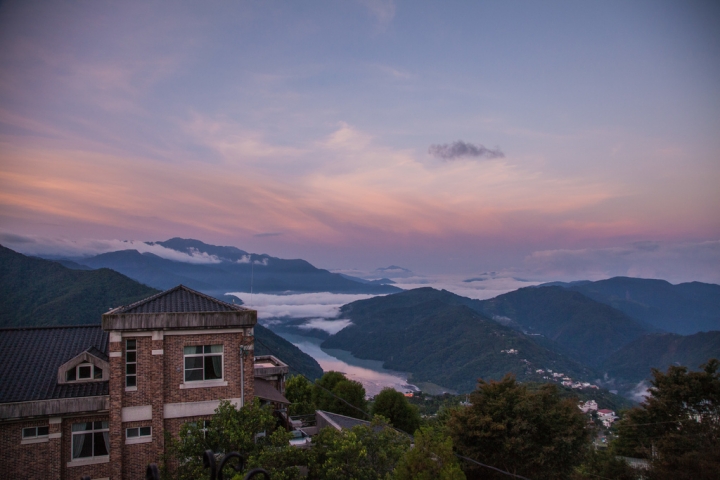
[[299, 391], [248, 431], [393, 405], [365, 452], [604, 463], [431, 458], [531, 433], [678, 425], [334, 384]]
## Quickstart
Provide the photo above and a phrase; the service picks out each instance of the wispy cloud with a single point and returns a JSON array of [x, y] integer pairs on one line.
[[460, 149], [62, 247], [303, 305], [673, 261]]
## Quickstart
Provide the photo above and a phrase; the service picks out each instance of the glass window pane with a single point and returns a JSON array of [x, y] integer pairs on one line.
[[98, 373], [100, 447], [42, 431], [82, 445], [193, 350], [213, 367], [104, 424], [79, 427], [214, 349], [131, 357], [70, 375], [145, 431], [29, 432], [131, 368], [193, 375], [84, 371], [193, 362], [131, 345], [132, 432], [131, 381]]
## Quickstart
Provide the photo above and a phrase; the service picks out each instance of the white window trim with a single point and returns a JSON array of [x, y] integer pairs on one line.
[[204, 384], [79, 462], [134, 440], [28, 441], [218, 382]]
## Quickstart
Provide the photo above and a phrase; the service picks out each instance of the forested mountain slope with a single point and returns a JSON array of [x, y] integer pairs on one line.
[[589, 330], [432, 335]]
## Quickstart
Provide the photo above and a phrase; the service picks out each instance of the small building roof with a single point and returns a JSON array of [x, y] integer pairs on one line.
[[266, 391], [30, 357], [180, 299], [340, 422]]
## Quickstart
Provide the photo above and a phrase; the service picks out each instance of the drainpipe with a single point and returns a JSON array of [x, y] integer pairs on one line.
[[242, 376]]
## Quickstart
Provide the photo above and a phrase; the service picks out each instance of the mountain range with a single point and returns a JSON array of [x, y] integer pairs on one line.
[[38, 292], [684, 308], [451, 340], [226, 269]]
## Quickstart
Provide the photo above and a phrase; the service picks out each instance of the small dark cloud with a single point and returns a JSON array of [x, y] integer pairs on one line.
[[460, 149], [268, 234], [12, 238]]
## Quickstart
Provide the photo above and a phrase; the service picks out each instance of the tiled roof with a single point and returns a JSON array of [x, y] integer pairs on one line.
[[180, 299], [30, 358]]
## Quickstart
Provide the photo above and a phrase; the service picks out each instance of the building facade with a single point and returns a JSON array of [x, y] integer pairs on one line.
[[97, 400]]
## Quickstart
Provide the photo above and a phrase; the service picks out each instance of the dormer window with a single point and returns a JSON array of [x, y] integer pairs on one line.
[[86, 367], [84, 371]]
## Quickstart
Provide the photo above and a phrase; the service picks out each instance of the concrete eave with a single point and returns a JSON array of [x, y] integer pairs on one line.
[[179, 321], [55, 406]]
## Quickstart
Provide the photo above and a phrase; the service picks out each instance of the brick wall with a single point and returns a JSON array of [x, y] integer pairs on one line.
[[31, 461]]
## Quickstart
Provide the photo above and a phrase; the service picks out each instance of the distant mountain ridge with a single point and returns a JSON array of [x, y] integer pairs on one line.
[[660, 350], [685, 308], [228, 269]]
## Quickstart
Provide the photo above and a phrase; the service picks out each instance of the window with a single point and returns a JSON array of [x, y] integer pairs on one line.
[[90, 439], [84, 371], [138, 432], [131, 363], [203, 362], [35, 432]]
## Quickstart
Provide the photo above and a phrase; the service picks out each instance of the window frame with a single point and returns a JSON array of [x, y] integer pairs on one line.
[[134, 352], [38, 437], [139, 436], [203, 356], [94, 369], [93, 432]]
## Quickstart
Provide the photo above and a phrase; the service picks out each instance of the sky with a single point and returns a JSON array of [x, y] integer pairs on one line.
[[556, 139]]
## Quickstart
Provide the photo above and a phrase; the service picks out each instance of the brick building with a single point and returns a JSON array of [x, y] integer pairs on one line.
[[96, 400]]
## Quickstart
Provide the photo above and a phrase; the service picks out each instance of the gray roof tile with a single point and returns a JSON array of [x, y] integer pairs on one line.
[[180, 299], [30, 358]]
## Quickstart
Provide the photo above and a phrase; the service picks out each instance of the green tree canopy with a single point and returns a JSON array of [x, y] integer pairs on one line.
[[299, 391], [350, 391], [365, 452], [431, 458], [393, 405], [678, 425], [531, 433], [248, 430]]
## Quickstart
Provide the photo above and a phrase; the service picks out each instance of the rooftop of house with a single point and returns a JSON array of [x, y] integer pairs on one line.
[[179, 308], [30, 357], [180, 299], [340, 422]]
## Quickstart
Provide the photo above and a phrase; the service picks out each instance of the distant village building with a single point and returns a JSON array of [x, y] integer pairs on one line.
[[96, 401], [589, 406]]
